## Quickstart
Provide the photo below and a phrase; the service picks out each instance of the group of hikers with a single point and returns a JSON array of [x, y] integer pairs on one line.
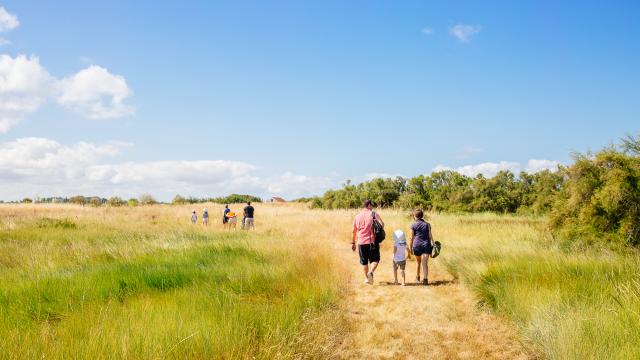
[[229, 218], [368, 230]]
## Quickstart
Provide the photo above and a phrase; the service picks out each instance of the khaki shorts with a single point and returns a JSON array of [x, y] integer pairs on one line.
[[399, 264]]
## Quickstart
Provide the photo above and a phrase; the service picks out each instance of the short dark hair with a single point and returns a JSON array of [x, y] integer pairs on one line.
[[366, 203], [418, 213], [248, 202]]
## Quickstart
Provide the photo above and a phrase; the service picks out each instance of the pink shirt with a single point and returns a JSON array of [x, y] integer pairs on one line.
[[362, 225]]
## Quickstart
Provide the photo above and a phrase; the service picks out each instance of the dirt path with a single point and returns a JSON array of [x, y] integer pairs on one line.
[[384, 318]]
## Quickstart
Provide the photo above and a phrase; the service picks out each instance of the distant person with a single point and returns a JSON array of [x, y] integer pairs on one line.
[[225, 218], [232, 220], [368, 250], [400, 252], [205, 217], [247, 221], [194, 217], [421, 244]]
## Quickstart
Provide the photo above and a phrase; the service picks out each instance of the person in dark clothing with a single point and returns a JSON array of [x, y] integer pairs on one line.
[[247, 220], [421, 244], [225, 219]]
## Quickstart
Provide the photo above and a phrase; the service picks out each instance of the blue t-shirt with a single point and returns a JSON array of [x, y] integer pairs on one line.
[[421, 233]]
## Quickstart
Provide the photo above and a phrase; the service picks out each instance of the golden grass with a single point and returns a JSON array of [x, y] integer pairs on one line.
[[143, 282]]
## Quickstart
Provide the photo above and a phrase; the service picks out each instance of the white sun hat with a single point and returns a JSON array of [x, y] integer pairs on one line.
[[398, 236]]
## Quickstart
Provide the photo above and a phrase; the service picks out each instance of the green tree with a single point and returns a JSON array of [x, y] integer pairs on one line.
[[133, 202], [116, 201], [147, 199], [78, 200]]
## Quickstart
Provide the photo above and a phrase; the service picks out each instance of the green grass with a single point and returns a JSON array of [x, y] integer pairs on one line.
[[568, 303], [102, 288]]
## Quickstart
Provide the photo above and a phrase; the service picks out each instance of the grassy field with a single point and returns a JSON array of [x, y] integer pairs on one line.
[[144, 283], [566, 303], [83, 282]]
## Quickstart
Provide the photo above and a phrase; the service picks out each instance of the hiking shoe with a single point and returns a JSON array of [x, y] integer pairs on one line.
[[425, 282], [370, 278]]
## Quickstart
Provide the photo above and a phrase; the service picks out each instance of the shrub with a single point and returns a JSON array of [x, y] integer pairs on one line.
[[116, 201], [146, 199], [600, 201]]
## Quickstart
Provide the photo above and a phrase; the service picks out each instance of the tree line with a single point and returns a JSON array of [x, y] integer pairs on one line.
[[595, 199]]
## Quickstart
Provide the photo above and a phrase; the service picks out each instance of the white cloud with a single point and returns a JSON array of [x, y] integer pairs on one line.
[[4, 42], [464, 32], [427, 30], [534, 166], [44, 167], [96, 93], [490, 169], [7, 21], [24, 86]]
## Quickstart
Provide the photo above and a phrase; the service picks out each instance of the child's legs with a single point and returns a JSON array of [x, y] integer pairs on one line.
[[395, 272]]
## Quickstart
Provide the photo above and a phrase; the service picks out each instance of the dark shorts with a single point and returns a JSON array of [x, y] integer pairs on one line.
[[225, 219], [424, 249], [369, 253]]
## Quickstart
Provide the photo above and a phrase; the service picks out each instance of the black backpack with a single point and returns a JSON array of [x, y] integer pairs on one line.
[[378, 229]]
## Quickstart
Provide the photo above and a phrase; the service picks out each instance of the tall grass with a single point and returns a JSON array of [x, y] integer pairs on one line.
[[567, 303], [143, 283]]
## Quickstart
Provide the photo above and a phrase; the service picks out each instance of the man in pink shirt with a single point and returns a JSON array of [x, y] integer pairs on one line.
[[368, 250]]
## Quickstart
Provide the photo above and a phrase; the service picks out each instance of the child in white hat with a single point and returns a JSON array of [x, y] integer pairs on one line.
[[400, 253]]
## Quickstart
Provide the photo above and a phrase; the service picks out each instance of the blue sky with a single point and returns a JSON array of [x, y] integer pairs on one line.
[[291, 98]]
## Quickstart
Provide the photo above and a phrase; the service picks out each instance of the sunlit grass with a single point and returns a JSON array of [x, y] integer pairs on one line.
[[144, 283], [567, 304]]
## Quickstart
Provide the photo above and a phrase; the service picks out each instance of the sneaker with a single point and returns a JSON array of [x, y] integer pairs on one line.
[[425, 282], [370, 278]]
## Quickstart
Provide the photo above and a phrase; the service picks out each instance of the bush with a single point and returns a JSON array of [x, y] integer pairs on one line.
[[236, 199], [600, 201], [78, 200], [116, 201], [132, 202], [146, 199]]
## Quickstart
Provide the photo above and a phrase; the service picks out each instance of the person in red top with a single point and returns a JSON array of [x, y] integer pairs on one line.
[[368, 250]]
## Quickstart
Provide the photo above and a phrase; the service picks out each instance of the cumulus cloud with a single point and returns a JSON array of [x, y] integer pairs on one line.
[[44, 167], [93, 92], [96, 93], [464, 32], [7, 21], [24, 86], [534, 166], [490, 169]]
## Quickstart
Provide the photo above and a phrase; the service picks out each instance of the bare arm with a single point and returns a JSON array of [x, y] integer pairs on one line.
[[353, 238], [430, 235]]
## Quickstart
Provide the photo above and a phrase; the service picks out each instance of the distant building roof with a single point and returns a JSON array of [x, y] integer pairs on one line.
[[278, 199]]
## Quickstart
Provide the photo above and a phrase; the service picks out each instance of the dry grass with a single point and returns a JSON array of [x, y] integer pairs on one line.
[[292, 288]]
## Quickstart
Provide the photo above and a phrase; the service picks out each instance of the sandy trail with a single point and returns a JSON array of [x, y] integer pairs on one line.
[[384, 317]]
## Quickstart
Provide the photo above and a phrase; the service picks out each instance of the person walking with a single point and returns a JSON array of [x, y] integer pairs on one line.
[[421, 244], [368, 250], [225, 218], [247, 221], [194, 217], [205, 217]]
